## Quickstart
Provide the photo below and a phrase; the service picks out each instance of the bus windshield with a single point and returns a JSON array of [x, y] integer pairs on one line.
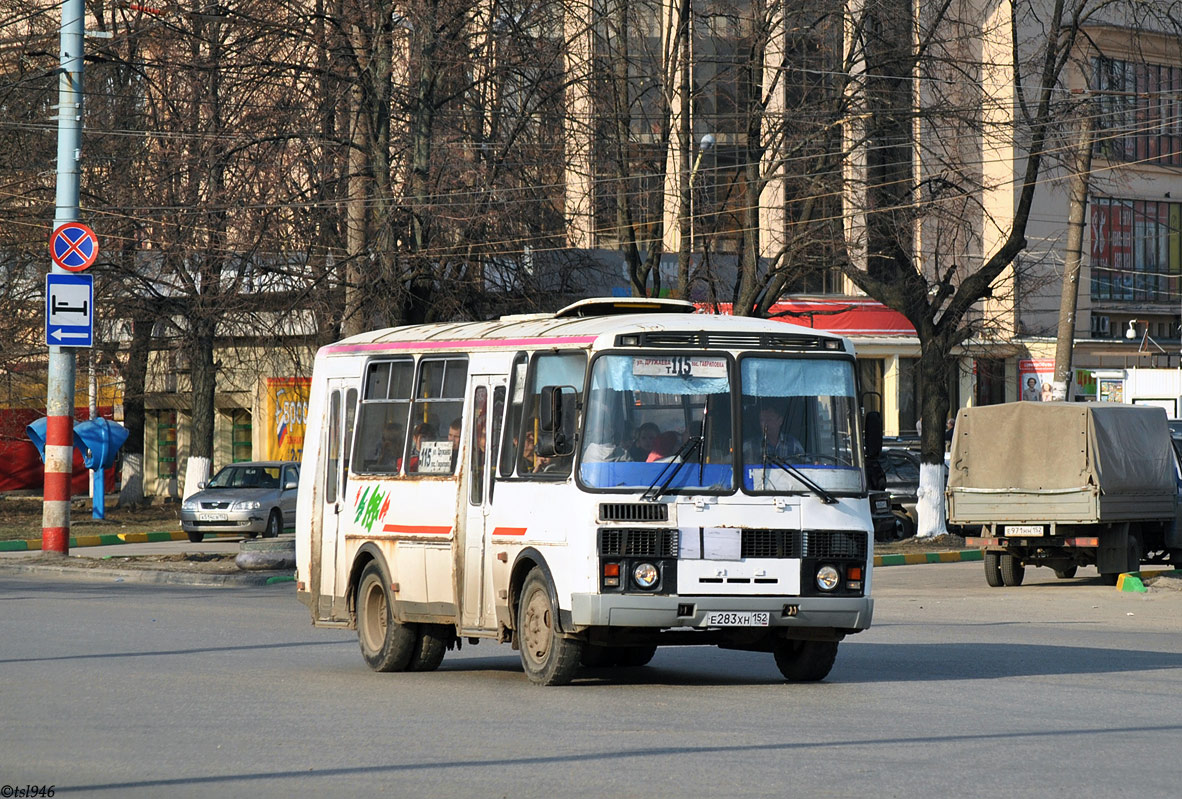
[[799, 413], [669, 419], [653, 414]]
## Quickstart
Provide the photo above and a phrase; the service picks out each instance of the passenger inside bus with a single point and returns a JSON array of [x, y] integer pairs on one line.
[[643, 441], [665, 447]]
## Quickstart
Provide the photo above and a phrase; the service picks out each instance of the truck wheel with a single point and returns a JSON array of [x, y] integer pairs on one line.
[[1066, 574], [547, 657], [1012, 570], [386, 645], [804, 661], [993, 569]]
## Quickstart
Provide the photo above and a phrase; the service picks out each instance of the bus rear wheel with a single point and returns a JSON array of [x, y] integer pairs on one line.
[[547, 657], [804, 661], [386, 644]]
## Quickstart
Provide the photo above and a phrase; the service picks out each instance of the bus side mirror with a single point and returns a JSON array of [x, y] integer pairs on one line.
[[556, 421], [873, 435]]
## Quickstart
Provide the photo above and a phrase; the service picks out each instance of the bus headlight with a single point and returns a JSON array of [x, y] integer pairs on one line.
[[827, 578], [645, 575]]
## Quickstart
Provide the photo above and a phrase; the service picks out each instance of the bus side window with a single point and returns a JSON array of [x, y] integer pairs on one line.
[[381, 418], [435, 416], [478, 444], [549, 369]]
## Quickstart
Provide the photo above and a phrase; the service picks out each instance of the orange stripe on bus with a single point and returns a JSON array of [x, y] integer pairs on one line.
[[509, 530], [416, 529]]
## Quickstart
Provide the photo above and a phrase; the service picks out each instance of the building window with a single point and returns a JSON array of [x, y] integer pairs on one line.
[[240, 430], [1136, 254], [1139, 111]]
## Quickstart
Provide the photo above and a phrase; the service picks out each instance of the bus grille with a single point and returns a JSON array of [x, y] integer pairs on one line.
[[803, 544], [633, 512], [641, 543]]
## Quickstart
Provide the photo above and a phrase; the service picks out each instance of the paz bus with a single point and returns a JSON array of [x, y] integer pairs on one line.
[[588, 485]]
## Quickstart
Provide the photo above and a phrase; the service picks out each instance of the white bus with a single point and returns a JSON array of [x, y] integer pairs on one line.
[[587, 485]]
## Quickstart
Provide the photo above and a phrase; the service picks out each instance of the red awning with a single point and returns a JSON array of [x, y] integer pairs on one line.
[[853, 317]]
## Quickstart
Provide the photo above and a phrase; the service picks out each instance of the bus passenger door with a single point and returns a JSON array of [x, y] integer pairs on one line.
[[486, 403], [337, 440]]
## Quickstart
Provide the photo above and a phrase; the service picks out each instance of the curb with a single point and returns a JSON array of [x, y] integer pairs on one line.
[[1134, 582], [110, 539], [915, 558], [152, 576]]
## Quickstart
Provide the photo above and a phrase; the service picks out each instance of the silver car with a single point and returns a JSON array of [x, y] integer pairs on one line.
[[247, 498]]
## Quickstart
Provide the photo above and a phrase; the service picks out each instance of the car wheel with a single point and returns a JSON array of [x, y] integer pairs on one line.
[[386, 644], [804, 661], [547, 657], [274, 524], [196, 538], [1066, 574], [993, 569]]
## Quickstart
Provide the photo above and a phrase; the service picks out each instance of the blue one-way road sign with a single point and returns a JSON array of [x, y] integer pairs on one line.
[[69, 310]]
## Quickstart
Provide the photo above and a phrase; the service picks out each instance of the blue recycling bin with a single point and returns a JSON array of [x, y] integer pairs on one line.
[[99, 441]]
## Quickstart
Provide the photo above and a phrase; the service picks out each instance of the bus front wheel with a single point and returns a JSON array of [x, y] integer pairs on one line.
[[804, 661], [547, 657], [386, 644]]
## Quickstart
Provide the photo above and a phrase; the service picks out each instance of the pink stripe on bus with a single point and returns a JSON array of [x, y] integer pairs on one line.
[[459, 345]]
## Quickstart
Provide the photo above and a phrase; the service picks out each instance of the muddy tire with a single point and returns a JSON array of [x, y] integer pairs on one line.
[[196, 538], [386, 645], [993, 569], [1012, 570], [547, 657], [804, 661], [430, 647]]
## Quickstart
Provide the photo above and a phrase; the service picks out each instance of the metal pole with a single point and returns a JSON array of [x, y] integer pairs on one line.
[[59, 404]]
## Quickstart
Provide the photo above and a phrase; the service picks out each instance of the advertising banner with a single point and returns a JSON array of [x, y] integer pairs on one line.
[[284, 414], [1035, 378]]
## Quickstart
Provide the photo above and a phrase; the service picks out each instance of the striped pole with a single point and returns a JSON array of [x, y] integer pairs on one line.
[[59, 404]]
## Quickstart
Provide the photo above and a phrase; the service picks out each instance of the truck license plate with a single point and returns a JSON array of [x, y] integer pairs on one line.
[[211, 517], [1025, 529], [730, 618]]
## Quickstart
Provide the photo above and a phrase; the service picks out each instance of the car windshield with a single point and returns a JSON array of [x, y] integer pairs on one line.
[[652, 418], [246, 477], [799, 412]]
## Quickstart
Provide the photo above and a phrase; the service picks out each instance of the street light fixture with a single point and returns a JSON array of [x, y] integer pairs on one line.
[[705, 144]]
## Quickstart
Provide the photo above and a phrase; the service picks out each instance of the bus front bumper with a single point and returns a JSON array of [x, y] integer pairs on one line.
[[849, 614]]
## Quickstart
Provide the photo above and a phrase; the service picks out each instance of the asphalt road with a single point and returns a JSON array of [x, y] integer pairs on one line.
[[1051, 689]]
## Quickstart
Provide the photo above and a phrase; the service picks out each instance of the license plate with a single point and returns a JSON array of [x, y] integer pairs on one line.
[[211, 517], [730, 618], [1025, 529]]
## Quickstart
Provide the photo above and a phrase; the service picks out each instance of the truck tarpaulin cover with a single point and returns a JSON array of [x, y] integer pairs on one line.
[[1049, 446]]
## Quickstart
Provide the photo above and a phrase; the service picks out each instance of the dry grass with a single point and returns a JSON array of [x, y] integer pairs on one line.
[[21, 518]]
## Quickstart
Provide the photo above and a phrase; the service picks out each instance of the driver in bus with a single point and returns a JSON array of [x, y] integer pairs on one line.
[[772, 438]]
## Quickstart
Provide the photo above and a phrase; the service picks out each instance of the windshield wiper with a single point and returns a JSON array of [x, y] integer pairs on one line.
[[672, 468], [825, 497]]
